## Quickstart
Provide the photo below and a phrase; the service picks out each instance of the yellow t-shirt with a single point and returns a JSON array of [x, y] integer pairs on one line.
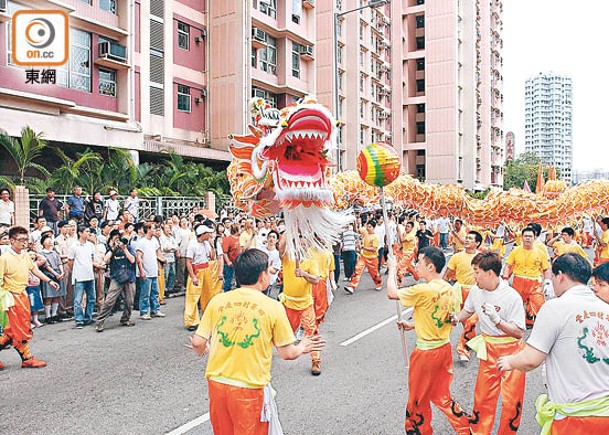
[[458, 245], [15, 271], [561, 248], [461, 263], [605, 239], [325, 263], [530, 263], [246, 237], [297, 290], [537, 244], [432, 301], [371, 241], [410, 241], [242, 326]]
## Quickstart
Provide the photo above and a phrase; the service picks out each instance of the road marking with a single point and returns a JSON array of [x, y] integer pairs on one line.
[[190, 425], [370, 330]]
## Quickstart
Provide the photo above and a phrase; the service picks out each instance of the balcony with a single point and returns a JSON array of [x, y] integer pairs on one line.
[[308, 4], [112, 55]]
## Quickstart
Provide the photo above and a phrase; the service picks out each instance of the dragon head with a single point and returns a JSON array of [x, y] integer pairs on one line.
[[284, 163]]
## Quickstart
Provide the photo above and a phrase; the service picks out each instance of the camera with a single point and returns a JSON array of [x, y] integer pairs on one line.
[[124, 240]]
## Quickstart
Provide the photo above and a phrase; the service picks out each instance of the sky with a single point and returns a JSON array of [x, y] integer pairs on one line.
[[566, 37]]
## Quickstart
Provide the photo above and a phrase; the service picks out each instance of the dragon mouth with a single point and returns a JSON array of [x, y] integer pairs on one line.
[[301, 155]]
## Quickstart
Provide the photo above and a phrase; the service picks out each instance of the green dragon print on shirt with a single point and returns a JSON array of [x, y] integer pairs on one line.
[[245, 343], [588, 354]]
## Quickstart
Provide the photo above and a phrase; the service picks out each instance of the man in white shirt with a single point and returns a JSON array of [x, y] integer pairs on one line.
[[169, 247], [80, 262], [112, 206], [502, 323], [132, 204], [182, 234], [570, 335], [149, 254], [379, 230], [7, 208], [197, 263], [443, 224]]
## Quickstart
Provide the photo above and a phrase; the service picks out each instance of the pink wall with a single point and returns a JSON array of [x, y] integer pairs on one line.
[[94, 12], [138, 94], [138, 26], [195, 119], [198, 5], [194, 58]]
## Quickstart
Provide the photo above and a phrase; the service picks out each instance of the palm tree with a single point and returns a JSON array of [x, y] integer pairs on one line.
[[25, 150], [72, 170]]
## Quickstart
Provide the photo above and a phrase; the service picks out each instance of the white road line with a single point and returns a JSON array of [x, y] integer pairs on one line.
[[190, 425], [370, 330]]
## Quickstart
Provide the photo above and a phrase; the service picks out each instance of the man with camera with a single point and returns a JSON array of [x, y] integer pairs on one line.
[[121, 258]]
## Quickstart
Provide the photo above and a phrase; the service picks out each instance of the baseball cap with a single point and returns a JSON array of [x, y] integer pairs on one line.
[[112, 192], [46, 230]]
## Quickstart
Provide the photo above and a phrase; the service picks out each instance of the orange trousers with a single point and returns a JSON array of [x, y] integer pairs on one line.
[[429, 378], [236, 410], [306, 319], [406, 265], [320, 299], [372, 265], [18, 332], [581, 426], [489, 384], [469, 326], [531, 292]]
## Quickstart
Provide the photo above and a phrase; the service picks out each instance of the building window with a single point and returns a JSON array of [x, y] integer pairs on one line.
[[267, 96], [362, 109], [183, 36], [421, 127], [254, 58], [420, 2], [420, 42], [340, 54], [362, 81], [107, 82], [421, 64], [421, 108], [108, 5], [76, 74], [183, 98], [420, 85], [296, 11], [420, 21], [361, 31], [269, 7], [341, 75], [268, 56], [295, 59], [362, 58]]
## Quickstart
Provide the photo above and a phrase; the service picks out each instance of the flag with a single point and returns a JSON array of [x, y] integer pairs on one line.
[[526, 187], [541, 182]]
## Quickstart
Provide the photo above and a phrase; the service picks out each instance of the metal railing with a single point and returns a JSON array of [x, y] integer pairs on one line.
[[150, 206]]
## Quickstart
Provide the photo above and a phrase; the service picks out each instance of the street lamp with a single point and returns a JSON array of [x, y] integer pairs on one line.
[[337, 15]]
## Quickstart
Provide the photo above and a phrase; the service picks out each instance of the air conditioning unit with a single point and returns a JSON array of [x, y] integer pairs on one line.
[[198, 39], [203, 93], [258, 34], [203, 34], [3, 7], [198, 100], [306, 50], [113, 51]]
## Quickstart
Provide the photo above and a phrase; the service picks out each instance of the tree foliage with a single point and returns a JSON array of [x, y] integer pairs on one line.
[[523, 168], [111, 169]]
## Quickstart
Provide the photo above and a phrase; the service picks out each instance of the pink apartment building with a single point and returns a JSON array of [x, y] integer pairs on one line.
[[137, 78], [447, 90], [153, 75]]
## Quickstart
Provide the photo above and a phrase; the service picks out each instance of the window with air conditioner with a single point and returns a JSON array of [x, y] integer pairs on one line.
[[268, 7]]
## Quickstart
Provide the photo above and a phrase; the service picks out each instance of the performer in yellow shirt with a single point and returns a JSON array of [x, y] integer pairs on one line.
[[240, 328], [431, 365], [15, 268], [459, 232], [603, 241], [409, 252], [565, 242], [297, 297], [325, 266], [368, 259], [460, 268], [529, 266]]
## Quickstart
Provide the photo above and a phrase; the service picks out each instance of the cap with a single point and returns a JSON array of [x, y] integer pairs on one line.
[[46, 229], [202, 229], [112, 192]]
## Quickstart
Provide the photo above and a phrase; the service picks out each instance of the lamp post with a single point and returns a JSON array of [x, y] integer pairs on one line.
[[337, 15]]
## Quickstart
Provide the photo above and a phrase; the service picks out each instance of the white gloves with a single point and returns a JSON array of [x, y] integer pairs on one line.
[[491, 312], [548, 289]]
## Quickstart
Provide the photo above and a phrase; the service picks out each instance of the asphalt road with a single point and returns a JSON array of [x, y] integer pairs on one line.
[[142, 380]]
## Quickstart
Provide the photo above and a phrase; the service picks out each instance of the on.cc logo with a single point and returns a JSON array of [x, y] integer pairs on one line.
[[40, 33]]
